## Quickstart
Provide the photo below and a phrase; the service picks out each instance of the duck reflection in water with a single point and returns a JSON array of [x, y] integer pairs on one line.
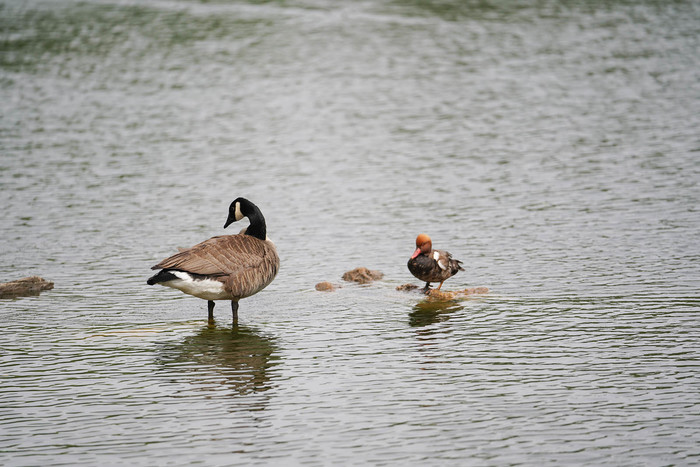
[[239, 358], [429, 312]]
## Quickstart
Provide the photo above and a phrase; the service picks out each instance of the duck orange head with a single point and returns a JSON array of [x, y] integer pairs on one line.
[[423, 245]]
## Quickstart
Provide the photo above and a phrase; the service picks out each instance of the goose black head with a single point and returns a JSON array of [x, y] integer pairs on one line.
[[241, 208]]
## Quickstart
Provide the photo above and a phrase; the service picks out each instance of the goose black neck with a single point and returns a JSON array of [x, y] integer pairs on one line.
[[257, 227]]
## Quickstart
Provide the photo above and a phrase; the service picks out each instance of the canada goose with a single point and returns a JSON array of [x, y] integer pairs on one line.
[[225, 267], [432, 265]]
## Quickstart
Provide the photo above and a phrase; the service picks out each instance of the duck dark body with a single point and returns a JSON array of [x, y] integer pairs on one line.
[[431, 265]]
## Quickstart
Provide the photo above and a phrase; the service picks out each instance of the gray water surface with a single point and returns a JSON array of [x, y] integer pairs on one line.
[[552, 146]]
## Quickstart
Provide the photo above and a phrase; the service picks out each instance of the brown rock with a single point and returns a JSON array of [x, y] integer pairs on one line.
[[441, 294], [325, 287], [23, 287], [445, 294], [362, 275], [453, 295]]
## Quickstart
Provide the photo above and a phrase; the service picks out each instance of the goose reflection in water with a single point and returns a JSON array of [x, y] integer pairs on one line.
[[237, 358], [429, 312]]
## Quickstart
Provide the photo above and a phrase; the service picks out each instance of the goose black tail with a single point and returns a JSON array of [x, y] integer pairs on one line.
[[162, 276]]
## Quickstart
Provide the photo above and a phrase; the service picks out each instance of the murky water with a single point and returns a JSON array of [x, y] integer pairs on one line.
[[551, 146]]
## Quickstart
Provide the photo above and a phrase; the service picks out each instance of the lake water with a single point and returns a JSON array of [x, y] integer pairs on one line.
[[552, 146]]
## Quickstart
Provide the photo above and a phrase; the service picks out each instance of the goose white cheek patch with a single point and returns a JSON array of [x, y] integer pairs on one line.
[[238, 214]]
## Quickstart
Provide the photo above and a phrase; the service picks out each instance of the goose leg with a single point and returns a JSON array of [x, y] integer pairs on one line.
[[210, 306], [234, 310]]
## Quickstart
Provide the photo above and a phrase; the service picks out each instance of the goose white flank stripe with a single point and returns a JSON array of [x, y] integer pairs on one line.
[[226, 267], [208, 289]]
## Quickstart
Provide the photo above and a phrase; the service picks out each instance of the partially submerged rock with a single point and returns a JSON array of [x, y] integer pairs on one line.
[[24, 287], [453, 295], [445, 294], [362, 275], [326, 286]]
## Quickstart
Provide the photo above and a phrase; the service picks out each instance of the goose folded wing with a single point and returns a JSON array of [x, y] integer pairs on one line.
[[217, 256]]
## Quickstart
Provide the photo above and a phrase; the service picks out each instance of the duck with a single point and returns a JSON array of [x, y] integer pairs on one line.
[[225, 267], [431, 265]]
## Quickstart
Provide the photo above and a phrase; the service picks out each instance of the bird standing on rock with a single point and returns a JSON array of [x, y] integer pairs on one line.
[[431, 265], [226, 267]]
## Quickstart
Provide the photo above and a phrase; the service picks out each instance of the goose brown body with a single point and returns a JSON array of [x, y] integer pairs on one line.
[[225, 267], [243, 264], [430, 265]]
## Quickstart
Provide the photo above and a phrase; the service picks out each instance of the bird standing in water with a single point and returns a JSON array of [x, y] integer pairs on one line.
[[431, 265], [226, 267]]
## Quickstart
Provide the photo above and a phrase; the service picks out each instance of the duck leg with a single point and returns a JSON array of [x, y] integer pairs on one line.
[[426, 288], [234, 310], [210, 306], [440, 285]]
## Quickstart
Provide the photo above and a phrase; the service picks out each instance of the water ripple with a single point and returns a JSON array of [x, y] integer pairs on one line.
[[551, 147]]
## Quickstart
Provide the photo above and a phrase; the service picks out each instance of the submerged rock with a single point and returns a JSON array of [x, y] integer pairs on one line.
[[24, 287], [326, 286], [445, 294], [362, 275], [453, 295]]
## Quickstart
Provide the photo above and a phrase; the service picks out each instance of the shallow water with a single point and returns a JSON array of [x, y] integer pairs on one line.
[[551, 146]]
